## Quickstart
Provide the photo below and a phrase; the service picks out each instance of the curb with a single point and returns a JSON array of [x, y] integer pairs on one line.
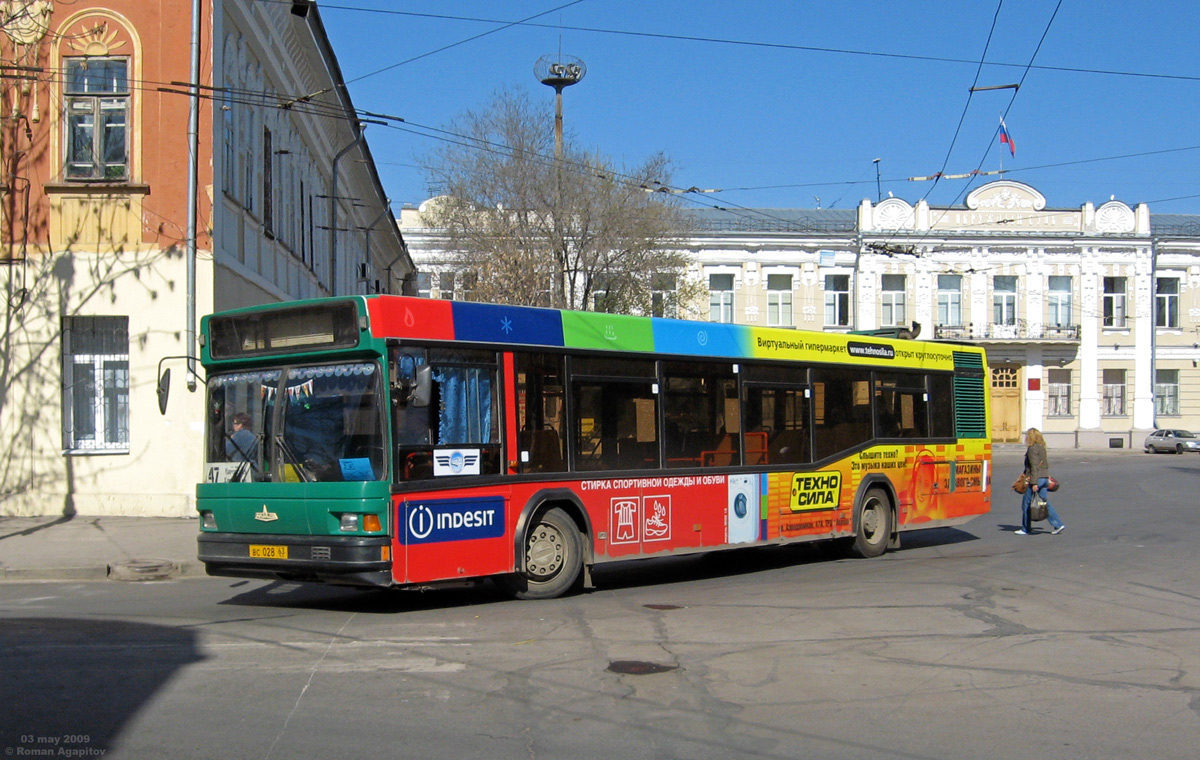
[[128, 571]]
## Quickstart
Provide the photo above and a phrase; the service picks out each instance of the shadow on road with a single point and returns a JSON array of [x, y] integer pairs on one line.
[[653, 571], [70, 686]]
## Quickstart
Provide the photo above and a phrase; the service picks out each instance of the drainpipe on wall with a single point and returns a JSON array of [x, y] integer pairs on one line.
[[193, 180], [333, 191], [1153, 335]]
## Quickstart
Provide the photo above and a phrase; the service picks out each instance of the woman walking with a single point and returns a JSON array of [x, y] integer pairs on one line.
[[1037, 474]]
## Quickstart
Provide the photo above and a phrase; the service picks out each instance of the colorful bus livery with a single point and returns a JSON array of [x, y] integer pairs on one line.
[[399, 441]]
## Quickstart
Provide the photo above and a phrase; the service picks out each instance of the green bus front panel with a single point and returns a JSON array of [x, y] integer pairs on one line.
[[293, 509]]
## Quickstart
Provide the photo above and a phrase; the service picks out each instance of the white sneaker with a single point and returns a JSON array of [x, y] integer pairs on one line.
[[1022, 532], [1059, 529]]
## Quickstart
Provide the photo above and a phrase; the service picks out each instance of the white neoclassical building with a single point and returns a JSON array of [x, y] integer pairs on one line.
[[1090, 315]]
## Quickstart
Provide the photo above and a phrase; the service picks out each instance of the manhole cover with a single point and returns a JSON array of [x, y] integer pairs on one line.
[[639, 668]]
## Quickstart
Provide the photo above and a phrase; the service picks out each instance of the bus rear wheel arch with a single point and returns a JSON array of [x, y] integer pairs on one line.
[[873, 524], [552, 557]]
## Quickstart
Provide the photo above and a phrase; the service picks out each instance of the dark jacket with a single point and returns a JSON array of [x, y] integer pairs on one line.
[[1036, 464]]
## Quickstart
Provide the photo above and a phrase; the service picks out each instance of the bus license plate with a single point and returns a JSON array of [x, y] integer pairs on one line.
[[268, 552]]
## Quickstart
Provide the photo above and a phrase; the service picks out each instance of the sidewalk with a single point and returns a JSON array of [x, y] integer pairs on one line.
[[95, 548]]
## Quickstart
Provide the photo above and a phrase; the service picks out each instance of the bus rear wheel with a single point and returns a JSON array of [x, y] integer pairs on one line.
[[873, 530], [553, 558]]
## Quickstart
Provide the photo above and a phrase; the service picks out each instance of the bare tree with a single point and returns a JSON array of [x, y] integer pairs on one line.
[[528, 228]]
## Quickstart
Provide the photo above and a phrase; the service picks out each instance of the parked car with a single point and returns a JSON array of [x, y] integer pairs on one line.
[[1169, 439]]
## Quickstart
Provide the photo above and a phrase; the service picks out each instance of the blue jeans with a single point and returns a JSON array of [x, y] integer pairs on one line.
[[1027, 499]]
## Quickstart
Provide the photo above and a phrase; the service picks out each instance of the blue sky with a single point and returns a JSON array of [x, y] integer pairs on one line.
[[785, 104]]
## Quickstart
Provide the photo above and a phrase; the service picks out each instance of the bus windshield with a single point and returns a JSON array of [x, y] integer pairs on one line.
[[314, 423]]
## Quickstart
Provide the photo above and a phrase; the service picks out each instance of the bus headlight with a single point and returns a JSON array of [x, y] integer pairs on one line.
[[208, 521], [350, 522]]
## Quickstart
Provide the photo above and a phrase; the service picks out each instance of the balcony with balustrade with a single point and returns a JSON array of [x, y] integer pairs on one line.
[[1020, 331]]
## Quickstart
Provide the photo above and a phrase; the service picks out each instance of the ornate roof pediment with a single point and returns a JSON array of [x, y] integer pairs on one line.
[[1006, 195]]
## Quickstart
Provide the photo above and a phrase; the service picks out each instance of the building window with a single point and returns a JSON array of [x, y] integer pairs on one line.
[[1058, 393], [1166, 302], [1058, 302], [837, 300], [96, 383], [893, 314], [949, 300], [424, 285], [247, 161], [97, 95], [268, 180], [229, 151], [720, 297], [664, 299], [1113, 401], [446, 285], [1114, 301], [1004, 300], [779, 300], [605, 293], [1166, 392]]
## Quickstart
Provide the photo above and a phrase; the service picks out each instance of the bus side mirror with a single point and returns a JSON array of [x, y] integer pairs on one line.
[[164, 390], [422, 390]]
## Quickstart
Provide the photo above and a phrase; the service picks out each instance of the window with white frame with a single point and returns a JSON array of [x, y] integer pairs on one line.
[[1114, 301], [837, 300], [446, 285], [1058, 302], [1112, 402], [1166, 302], [720, 297], [95, 384], [893, 313], [1166, 391], [779, 300], [1004, 300], [949, 300], [97, 118], [664, 299], [1058, 393], [424, 285]]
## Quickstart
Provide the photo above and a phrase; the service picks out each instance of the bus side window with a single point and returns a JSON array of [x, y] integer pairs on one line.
[[841, 410], [540, 412], [900, 406], [941, 413], [702, 415], [615, 425], [778, 425]]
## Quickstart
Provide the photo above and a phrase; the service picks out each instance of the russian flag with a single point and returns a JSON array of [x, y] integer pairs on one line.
[[1005, 137]]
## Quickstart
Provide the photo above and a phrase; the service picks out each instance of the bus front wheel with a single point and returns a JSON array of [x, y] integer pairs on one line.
[[553, 558], [874, 526]]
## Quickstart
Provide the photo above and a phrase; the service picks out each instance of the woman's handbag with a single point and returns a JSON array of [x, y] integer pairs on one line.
[[1051, 484], [1021, 483]]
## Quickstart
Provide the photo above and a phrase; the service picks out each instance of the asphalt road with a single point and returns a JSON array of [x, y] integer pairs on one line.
[[965, 643]]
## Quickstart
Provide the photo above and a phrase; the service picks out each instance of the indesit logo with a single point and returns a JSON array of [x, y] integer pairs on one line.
[[420, 522], [439, 520]]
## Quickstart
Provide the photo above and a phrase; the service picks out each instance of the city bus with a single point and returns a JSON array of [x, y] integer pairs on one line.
[[389, 441]]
